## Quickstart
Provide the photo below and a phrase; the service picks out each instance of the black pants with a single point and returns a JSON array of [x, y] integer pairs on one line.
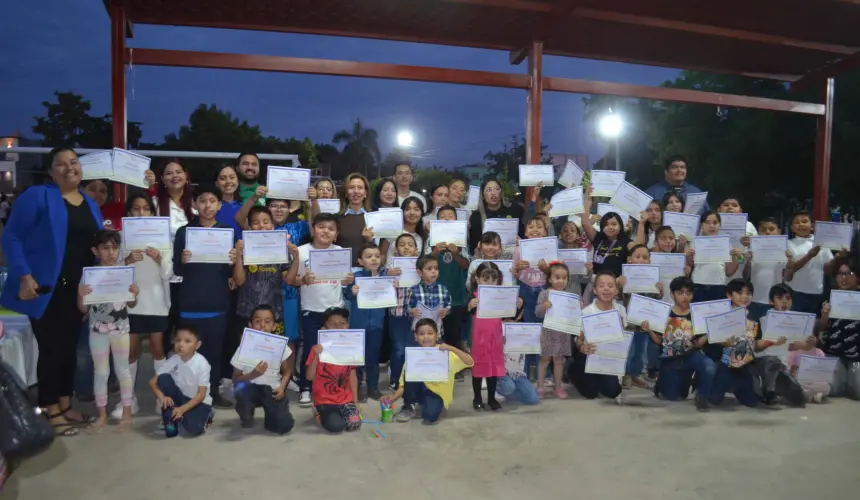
[[491, 388], [235, 326], [339, 418], [172, 319], [56, 333], [453, 326], [276, 414], [212, 332], [591, 385]]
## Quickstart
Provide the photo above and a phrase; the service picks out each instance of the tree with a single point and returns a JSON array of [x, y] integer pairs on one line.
[[396, 156], [504, 166], [361, 150], [67, 122]]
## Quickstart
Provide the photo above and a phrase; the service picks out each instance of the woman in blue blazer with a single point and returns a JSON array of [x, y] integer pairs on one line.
[[48, 241]]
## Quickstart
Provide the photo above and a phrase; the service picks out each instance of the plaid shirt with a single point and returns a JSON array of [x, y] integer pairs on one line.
[[432, 296], [402, 296]]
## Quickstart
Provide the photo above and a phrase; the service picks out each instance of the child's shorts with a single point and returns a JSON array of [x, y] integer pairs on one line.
[[145, 323]]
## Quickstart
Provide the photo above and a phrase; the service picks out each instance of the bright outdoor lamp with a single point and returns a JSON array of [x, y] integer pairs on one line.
[[611, 125], [404, 139]]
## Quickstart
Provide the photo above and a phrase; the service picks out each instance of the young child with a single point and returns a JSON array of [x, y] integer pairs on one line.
[[733, 206], [532, 279], [641, 350], [814, 392], [649, 221], [413, 210], [109, 335], [672, 202], [489, 248], [399, 320], [204, 295], [710, 277], [182, 383], [763, 275], [259, 386], [809, 265], [776, 379], [840, 338], [571, 237], [611, 243], [335, 387], [515, 385], [453, 262], [432, 396], [554, 345], [666, 242], [428, 293]]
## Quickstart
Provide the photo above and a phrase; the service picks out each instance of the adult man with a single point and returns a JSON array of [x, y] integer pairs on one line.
[[676, 175], [403, 180], [248, 170]]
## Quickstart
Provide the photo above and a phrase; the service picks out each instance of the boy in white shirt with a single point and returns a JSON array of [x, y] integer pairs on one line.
[[182, 383], [809, 264], [764, 275]]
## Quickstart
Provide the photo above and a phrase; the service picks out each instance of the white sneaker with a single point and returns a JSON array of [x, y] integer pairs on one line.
[[116, 414], [500, 398], [305, 399], [548, 383], [292, 386]]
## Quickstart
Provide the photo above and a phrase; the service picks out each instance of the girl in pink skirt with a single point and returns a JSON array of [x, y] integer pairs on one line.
[[554, 345]]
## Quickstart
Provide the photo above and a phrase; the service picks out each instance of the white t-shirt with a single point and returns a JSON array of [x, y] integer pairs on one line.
[[177, 217], [321, 294], [419, 242], [154, 283], [750, 231], [270, 378], [417, 195], [810, 278], [593, 309], [763, 276], [189, 375]]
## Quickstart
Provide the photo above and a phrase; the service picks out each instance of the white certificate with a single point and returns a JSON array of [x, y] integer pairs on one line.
[[572, 175], [725, 325], [605, 208], [616, 348], [130, 168], [565, 315], [602, 327], [605, 182], [791, 325], [426, 364], [288, 183], [109, 284], [532, 175], [605, 365], [265, 247], [683, 224], [641, 278], [699, 311], [474, 197], [769, 248], [96, 165], [497, 301], [695, 202], [712, 249], [329, 206], [385, 223], [671, 265], [815, 369], [575, 259], [330, 264], [734, 226], [376, 293], [426, 313], [508, 229], [448, 231], [567, 202], [257, 346], [209, 245], [408, 272], [140, 233], [505, 266], [780, 351], [845, 305], [342, 347], [522, 337], [463, 214], [833, 235], [655, 312], [534, 249], [631, 199]]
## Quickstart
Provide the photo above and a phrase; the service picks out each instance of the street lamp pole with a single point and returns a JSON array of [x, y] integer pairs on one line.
[[617, 153]]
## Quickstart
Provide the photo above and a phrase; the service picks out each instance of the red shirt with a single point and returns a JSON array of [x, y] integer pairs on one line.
[[112, 213], [331, 383]]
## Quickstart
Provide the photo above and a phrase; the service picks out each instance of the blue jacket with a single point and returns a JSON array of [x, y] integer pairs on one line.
[[367, 319], [661, 188], [34, 242]]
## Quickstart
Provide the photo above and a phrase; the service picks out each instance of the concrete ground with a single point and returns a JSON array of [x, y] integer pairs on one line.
[[644, 449]]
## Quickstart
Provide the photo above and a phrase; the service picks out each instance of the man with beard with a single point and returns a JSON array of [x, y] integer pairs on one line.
[[248, 170]]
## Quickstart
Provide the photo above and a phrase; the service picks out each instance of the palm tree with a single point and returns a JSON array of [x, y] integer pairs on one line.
[[361, 149]]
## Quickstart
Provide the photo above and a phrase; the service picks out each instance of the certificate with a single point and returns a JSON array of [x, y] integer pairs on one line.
[[615, 349], [265, 247], [209, 244], [522, 337], [505, 266], [140, 233], [695, 202], [769, 248], [602, 327], [257, 346], [791, 325], [463, 214], [342, 347], [721, 327], [605, 365], [571, 175], [408, 272], [385, 223], [641, 278], [845, 305], [575, 259], [671, 265], [426, 313], [534, 249], [130, 168], [376, 293], [474, 197], [605, 182], [712, 249], [532, 175], [655, 312], [96, 165], [508, 229], [288, 183], [699, 311], [605, 208], [833, 235], [329, 206], [734, 226], [630, 199], [109, 284], [683, 224], [565, 315], [330, 264], [497, 301], [448, 231], [567, 202], [426, 364], [815, 369]]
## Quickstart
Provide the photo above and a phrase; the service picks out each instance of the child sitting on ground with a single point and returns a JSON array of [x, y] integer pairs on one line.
[[815, 392]]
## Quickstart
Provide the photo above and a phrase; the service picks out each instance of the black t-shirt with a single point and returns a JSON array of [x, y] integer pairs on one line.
[[609, 255], [476, 223], [82, 227]]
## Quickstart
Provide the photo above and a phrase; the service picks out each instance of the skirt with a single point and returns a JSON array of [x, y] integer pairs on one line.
[[553, 343], [145, 323]]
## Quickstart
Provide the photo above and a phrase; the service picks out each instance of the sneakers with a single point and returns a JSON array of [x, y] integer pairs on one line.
[[500, 398], [406, 413], [218, 401], [293, 386], [548, 382], [560, 393], [116, 414], [818, 397], [305, 399], [701, 404], [392, 386], [626, 382], [494, 405], [362, 394], [639, 382]]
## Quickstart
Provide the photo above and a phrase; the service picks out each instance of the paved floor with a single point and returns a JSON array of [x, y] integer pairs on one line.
[[645, 449]]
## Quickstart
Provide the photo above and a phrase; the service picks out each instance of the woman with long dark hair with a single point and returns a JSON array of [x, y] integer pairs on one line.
[[491, 206]]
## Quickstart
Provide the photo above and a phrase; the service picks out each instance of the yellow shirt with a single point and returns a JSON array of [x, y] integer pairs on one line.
[[444, 390]]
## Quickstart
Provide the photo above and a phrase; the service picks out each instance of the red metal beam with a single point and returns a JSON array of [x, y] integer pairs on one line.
[[117, 73], [821, 192], [534, 109]]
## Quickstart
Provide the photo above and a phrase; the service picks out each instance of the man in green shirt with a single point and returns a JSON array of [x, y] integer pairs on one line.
[[248, 169]]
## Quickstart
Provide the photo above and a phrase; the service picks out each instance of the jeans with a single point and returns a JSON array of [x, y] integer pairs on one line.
[[276, 414], [739, 381], [846, 379], [530, 295], [431, 403], [400, 329], [807, 302], [653, 355], [591, 385], [339, 418], [704, 293], [372, 345], [212, 333], [196, 419], [638, 352], [311, 324], [519, 389], [676, 372], [776, 379]]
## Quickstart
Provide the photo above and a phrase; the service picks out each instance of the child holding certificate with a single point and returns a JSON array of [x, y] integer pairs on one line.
[[400, 321], [649, 221], [489, 248], [611, 244], [710, 277], [841, 337], [554, 345], [571, 237], [809, 264], [666, 242], [642, 350], [453, 262], [531, 275], [763, 274], [429, 294]]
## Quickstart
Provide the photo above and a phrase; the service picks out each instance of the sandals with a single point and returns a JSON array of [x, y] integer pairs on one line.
[[85, 419], [68, 429]]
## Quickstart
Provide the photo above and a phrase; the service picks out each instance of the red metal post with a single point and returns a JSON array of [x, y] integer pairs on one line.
[[117, 73], [821, 208], [534, 108]]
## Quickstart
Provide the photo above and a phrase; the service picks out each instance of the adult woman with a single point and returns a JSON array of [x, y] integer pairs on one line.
[[48, 242], [385, 195], [491, 206], [457, 190], [325, 189], [227, 179], [173, 196], [840, 338], [438, 198], [649, 221], [354, 203]]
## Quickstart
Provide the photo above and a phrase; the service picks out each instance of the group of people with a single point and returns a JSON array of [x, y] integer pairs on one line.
[[194, 313]]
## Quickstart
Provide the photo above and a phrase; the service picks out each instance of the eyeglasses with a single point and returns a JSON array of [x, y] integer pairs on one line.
[[844, 274], [278, 207]]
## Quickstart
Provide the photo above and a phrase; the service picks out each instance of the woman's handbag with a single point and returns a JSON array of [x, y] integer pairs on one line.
[[24, 431]]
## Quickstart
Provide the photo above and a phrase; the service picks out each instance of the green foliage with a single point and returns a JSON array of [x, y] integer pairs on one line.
[[361, 149]]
